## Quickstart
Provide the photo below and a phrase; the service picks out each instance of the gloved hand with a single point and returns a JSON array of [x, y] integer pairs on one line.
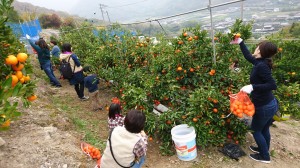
[[27, 36], [247, 89], [236, 41]]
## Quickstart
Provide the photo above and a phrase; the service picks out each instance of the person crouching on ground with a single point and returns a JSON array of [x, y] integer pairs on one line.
[[91, 82], [127, 146], [78, 78], [115, 117]]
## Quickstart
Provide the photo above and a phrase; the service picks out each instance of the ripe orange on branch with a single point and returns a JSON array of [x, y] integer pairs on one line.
[[19, 74], [18, 67], [212, 72], [27, 78], [22, 57], [11, 60], [14, 80], [177, 51], [179, 68], [215, 110]]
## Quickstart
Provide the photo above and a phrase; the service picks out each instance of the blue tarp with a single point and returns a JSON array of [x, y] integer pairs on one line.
[[32, 28]]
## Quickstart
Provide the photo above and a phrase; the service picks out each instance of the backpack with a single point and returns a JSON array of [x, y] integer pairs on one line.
[[65, 69]]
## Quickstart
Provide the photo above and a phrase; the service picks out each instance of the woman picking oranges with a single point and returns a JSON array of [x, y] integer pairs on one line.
[[43, 52], [262, 84]]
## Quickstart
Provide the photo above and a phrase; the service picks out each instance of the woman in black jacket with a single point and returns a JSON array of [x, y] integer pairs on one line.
[[262, 84]]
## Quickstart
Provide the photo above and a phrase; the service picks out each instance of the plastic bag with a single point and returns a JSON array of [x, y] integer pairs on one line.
[[233, 151], [241, 104]]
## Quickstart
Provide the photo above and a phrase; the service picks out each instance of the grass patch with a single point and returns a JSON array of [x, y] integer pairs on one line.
[[85, 123], [94, 140], [272, 153], [80, 124]]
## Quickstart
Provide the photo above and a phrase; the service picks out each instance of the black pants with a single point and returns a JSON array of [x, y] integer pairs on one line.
[[79, 87]]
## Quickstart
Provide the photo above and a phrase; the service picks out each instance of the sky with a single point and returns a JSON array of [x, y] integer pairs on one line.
[[122, 10], [81, 7], [61, 5], [92, 8]]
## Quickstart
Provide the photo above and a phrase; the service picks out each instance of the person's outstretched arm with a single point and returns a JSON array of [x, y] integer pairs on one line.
[[248, 56], [33, 45]]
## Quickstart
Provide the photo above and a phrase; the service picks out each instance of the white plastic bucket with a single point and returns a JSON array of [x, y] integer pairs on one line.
[[184, 138]]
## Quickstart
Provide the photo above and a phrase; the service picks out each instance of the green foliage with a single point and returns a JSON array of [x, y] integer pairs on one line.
[[287, 75], [289, 98], [176, 73], [244, 29], [295, 29], [11, 46]]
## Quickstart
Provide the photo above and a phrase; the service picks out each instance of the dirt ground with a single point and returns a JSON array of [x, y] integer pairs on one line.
[[44, 137]]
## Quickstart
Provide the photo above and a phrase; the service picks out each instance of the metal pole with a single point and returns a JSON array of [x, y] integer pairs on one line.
[[150, 29], [162, 27], [23, 32], [101, 11], [212, 32], [108, 17]]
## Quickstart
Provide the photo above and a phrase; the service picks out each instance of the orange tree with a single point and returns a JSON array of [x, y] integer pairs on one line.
[[178, 73], [287, 75], [14, 71]]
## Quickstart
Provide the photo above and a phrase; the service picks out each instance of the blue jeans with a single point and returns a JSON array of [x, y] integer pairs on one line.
[[261, 122], [140, 163], [47, 67]]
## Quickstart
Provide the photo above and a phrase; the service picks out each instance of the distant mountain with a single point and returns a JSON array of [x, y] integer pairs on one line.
[[23, 7]]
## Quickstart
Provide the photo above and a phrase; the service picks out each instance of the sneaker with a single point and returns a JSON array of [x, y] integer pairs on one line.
[[56, 87], [259, 158], [84, 98], [254, 149]]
